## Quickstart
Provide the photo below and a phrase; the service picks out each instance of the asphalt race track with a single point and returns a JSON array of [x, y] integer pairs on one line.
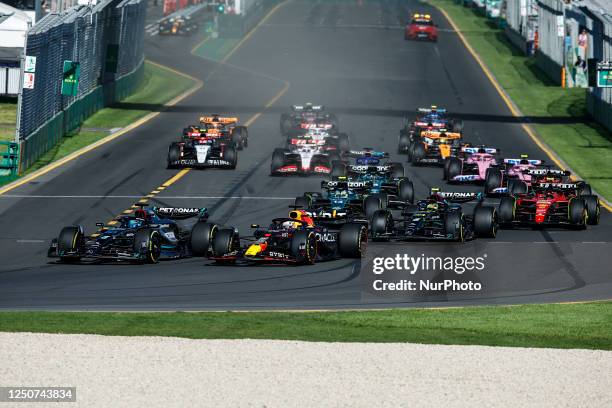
[[349, 56]]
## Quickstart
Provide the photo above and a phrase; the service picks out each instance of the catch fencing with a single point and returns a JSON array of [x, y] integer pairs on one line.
[[107, 40]]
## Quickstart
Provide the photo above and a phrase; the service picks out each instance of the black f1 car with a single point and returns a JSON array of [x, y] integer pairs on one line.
[[438, 217], [292, 240], [147, 236]]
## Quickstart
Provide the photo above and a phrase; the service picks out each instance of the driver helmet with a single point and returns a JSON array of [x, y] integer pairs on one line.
[[432, 206], [135, 223], [301, 215], [290, 225]]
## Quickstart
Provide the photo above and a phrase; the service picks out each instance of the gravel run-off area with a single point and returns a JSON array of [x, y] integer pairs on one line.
[[173, 372]]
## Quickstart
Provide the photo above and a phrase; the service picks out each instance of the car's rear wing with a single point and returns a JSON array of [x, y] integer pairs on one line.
[[218, 119], [514, 162], [179, 213], [364, 168], [366, 153], [300, 108], [548, 172], [555, 186], [480, 149], [458, 196], [440, 134], [316, 126], [345, 185], [307, 142], [432, 109]]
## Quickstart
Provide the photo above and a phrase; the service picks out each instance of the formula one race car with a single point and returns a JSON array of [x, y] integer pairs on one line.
[[550, 204], [438, 217], [514, 176], [213, 144], [321, 136], [304, 117], [421, 27], [179, 25], [292, 240], [303, 156], [432, 118], [434, 147], [147, 236], [470, 165]]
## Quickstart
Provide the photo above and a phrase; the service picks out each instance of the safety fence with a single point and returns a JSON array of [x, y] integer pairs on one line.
[[107, 41]]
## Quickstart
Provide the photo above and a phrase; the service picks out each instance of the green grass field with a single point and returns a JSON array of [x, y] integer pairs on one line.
[[586, 325], [583, 144], [158, 87], [8, 118]]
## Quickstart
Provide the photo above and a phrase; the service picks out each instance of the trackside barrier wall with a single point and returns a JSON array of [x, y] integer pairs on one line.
[[80, 34], [522, 24], [599, 100], [551, 29]]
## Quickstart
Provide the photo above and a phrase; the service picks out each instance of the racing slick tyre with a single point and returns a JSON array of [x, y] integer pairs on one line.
[[343, 142], [584, 189], [577, 213], [303, 202], [409, 151], [454, 224], [593, 209], [333, 156], [405, 191], [223, 242], [202, 234], [517, 187], [352, 239], [418, 153], [397, 170], [304, 247], [371, 204], [69, 240], [338, 169], [485, 221], [507, 209], [445, 168], [147, 244], [404, 142], [240, 137], [493, 180], [382, 223], [174, 154], [457, 124], [454, 168], [231, 155], [278, 160]]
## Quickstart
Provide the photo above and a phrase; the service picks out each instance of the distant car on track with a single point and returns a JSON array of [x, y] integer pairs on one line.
[[304, 117], [179, 25], [147, 236], [470, 165], [427, 119], [421, 27]]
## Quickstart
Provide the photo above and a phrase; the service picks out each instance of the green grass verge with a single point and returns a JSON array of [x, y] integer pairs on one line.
[[584, 145], [587, 325], [8, 119], [158, 87]]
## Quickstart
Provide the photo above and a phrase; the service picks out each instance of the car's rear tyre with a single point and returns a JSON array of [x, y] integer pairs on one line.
[[507, 210], [454, 224], [418, 153], [517, 187], [240, 137], [454, 168], [371, 204], [381, 224], [174, 154], [147, 244], [223, 243], [338, 169], [404, 142], [69, 240], [578, 213], [231, 155], [304, 247], [352, 240], [285, 124], [397, 170], [584, 189], [333, 156], [457, 124], [278, 159], [303, 202], [343, 142], [405, 191], [202, 234], [485, 221], [593, 209], [493, 180]]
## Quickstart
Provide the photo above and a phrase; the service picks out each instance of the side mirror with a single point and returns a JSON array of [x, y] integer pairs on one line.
[[254, 225]]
